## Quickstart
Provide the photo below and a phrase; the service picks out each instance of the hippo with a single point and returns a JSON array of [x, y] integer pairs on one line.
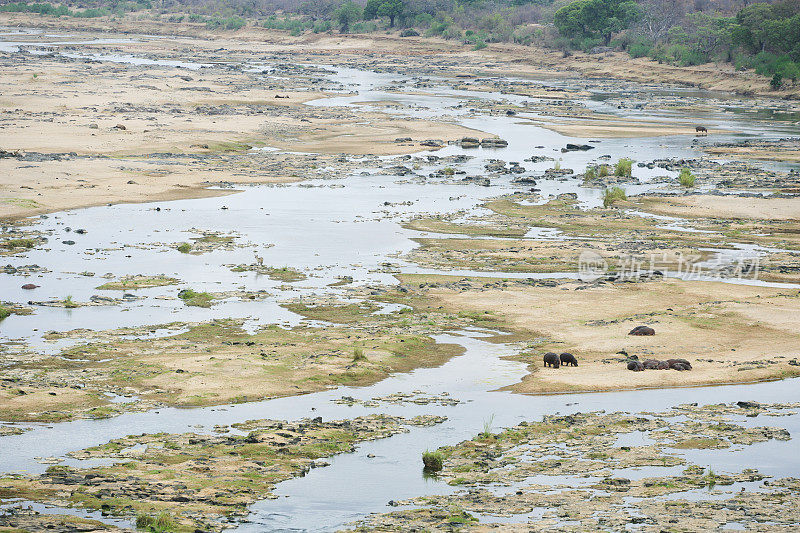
[[30, 286], [673, 362], [551, 359], [642, 331], [635, 366], [663, 365], [701, 129], [680, 367], [651, 364], [567, 359]]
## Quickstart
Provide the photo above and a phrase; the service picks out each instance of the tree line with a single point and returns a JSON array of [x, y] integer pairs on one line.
[[763, 36]]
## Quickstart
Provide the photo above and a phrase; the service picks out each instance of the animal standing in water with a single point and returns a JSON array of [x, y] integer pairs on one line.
[[259, 260]]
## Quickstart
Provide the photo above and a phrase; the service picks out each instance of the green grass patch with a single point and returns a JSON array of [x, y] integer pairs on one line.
[[287, 274], [12, 244], [195, 299], [161, 523], [700, 443], [433, 461], [137, 282]]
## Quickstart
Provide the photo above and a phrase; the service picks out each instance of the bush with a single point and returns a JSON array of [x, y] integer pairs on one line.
[[5, 311], [776, 81], [623, 168], [612, 195], [602, 171], [640, 48], [322, 26], [358, 354], [686, 178], [162, 523], [409, 32], [590, 173], [479, 45], [229, 23], [69, 303], [433, 461], [184, 248], [423, 20]]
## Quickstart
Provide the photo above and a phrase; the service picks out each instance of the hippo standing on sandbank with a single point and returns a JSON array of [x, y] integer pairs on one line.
[[552, 359], [567, 359]]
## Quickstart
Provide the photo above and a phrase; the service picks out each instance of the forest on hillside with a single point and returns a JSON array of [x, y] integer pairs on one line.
[[764, 36]]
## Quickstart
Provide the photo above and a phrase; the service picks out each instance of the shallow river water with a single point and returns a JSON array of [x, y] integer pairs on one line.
[[330, 228]]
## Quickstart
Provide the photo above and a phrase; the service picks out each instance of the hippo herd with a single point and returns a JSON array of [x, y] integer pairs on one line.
[[654, 364], [554, 360]]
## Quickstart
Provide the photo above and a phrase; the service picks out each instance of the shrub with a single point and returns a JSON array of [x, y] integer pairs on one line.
[[322, 26], [479, 45], [612, 195], [640, 48], [623, 168], [433, 461], [69, 303], [409, 32], [184, 247], [590, 173], [5, 311], [602, 171], [358, 354], [487, 427], [229, 23], [776, 81], [686, 178]]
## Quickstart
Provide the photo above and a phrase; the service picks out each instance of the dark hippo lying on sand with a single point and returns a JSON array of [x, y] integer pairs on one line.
[[642, 331], [655, 364]]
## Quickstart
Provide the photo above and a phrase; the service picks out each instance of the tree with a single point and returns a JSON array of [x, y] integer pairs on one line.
[[384, 8], [371, 9], [347, 13], [595, 19], [391, 9]]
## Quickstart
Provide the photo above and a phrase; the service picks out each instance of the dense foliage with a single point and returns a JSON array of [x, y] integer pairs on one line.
[[595, 20]]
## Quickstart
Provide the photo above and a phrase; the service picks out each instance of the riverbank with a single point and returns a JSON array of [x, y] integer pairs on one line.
[[505, 58]]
